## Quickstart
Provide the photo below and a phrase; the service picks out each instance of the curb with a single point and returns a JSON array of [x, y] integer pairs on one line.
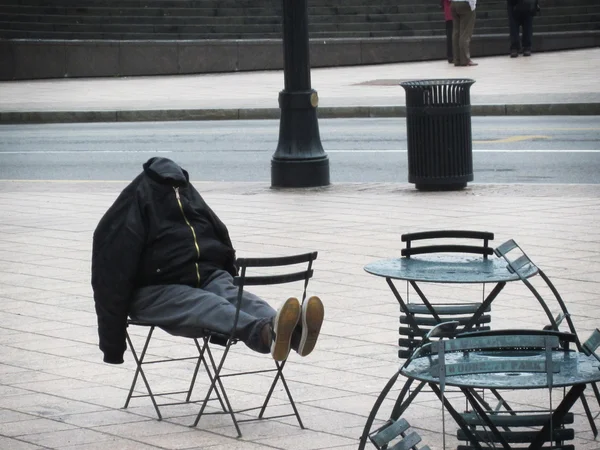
[[38, 117]]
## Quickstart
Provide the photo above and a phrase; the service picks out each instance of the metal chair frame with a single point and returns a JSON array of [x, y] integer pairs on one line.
[[242, 281], [140, 360], [396, 435], [516, 264], [421, 318], [205, 355]]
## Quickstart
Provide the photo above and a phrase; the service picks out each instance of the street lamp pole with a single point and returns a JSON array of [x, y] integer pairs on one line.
[[299, 160]]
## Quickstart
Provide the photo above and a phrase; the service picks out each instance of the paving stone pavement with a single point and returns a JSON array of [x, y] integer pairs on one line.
[[546, 83], [55, 392]]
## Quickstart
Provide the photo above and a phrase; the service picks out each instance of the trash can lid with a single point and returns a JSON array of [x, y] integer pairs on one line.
[[437, 82]]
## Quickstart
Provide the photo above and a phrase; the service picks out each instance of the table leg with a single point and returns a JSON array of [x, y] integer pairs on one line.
[[472, 321], [484, 305], [411, 321], [588, 414], [456, 416], [484, 416], [401, 405], [559, 413], [425, 301]]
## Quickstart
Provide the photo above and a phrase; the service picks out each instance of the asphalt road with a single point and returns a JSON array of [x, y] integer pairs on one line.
[[505, 149]]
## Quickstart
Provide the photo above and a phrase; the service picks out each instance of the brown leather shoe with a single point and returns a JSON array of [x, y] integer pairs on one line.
[[471, 63], [282, 328], [312, 319]]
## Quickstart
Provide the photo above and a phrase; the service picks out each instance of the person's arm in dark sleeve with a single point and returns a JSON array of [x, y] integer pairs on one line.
[[118, 244]]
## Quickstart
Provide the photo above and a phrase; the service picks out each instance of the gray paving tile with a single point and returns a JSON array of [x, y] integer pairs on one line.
[[16, 444], [21, 428], [66, 438]]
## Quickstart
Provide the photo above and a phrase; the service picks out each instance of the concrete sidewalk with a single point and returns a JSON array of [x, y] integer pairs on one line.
[[57, 394], [546, 83]]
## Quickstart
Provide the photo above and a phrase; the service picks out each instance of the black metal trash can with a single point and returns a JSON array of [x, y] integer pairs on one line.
[[438, 122]]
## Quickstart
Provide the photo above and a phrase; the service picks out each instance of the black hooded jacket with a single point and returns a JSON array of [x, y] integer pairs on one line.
[[158, 231]]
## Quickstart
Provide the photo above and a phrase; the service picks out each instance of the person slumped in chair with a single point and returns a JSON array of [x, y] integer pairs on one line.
[[162, 256]]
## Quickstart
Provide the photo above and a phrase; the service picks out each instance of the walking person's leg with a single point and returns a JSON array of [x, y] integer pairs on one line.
[[455, 33], [449, 44], [514, 31], [467, 25], [527, 24]]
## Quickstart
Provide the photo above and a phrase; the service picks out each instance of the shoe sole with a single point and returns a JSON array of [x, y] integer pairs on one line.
[[313, 313], [284, 323]]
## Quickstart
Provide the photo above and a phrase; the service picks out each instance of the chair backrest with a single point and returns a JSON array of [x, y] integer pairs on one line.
[[592, 343], [502, 344], [286, 275], [410, 338], [450, 244], [520, 263]]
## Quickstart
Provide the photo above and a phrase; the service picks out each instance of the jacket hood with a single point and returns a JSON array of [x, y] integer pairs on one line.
[[165, 171]]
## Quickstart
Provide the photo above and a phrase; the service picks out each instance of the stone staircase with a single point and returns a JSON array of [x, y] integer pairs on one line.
[[89, 38], [261, 19]]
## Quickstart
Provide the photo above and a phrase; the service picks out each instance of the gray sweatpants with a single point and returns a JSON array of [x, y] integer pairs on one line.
[[184, 311]]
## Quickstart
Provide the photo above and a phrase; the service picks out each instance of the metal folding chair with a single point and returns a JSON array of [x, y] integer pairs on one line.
[[274, 270], [396, 435], [420, 317], [519, 262], [199, 357]]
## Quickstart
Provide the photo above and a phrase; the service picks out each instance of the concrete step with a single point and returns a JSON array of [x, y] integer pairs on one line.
[[240, 19], [366, 20], [157, 35], [259, 26], [198, 19]]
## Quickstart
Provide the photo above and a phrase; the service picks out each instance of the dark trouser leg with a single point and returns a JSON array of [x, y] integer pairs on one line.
[[527, 23], [513, 24], [455, 33], [186, 311], [467, 24], [449, 30]]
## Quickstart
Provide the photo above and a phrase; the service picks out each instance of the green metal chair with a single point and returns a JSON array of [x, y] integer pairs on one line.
[[519, 263], [396, 435], [424, 315]]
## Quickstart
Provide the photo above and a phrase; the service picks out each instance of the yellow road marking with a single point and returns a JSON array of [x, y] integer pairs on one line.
[[512, 139], [540, 129]]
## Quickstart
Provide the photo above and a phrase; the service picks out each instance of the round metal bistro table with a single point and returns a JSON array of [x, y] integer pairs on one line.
[[576, 371]]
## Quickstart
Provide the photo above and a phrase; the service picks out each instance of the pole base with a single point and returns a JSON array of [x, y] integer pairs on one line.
[[440, 187], [286, 173]]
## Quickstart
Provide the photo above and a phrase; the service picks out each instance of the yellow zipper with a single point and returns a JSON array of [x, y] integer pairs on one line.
[[193, 234]]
